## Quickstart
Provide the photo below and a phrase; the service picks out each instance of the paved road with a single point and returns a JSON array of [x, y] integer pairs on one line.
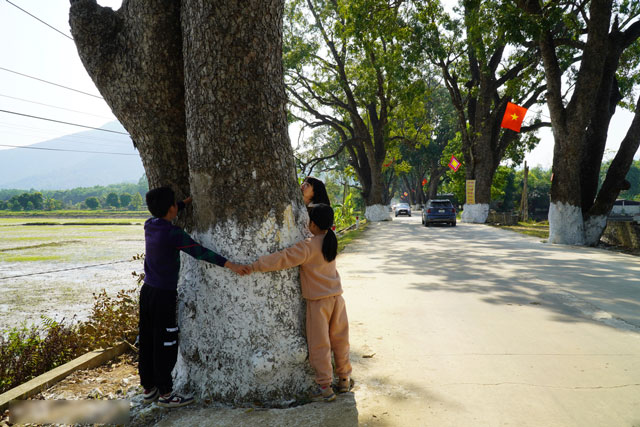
[[477, 326]]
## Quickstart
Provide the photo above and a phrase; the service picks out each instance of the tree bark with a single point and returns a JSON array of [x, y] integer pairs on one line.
[[134, 57], [241, 339]]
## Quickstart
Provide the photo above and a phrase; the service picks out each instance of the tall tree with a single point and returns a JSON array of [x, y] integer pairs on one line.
[[199, 86], [486, 62], [347, 65], [424, 128], [603, 37]]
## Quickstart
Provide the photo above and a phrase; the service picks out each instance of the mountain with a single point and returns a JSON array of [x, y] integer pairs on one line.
[[39, 169]]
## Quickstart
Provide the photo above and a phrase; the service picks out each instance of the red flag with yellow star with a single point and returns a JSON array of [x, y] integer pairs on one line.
[[513, 117]]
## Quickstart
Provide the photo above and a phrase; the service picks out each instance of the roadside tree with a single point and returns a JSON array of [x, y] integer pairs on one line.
[[348, 66], [601, 40], [486, 61], [423, 130]]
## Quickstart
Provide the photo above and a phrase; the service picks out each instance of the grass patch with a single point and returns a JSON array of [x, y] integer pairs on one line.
[[42, 245], [27, 258], [63, 221], [101, 213], [530, 228], [347, 237]]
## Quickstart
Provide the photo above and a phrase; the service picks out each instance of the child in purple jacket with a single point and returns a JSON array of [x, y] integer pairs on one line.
[[158, 328]]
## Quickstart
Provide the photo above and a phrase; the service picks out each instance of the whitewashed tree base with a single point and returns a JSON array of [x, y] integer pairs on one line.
[[565, 224], [567, 227], [222, 317], [476, 213], [593, 229], [377, 213]]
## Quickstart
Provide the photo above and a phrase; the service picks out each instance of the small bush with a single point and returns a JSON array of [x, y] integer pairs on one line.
[[112, 320], [344, 215], [29, 351]]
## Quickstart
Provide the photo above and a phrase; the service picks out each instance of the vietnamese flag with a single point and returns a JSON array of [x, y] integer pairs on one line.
[[513, 117]]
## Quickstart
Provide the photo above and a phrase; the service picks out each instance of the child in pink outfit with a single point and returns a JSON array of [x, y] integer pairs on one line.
[[327, 323]]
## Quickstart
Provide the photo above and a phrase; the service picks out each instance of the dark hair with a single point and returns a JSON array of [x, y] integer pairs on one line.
[[159, 200], [322, 216], [319, 191]]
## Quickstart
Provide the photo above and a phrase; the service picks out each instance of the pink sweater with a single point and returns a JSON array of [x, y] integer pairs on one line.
[[319, 278]]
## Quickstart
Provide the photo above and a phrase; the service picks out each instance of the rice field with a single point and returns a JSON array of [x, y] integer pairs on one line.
[[52, 266]]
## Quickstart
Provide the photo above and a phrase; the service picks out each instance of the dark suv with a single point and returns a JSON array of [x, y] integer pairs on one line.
[[439, 211]]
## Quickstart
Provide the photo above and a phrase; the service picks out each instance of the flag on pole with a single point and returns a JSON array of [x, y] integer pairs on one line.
[[513, 117], [454, 164]]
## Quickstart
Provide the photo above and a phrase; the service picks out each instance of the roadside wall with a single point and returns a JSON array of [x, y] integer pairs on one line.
[[622, 233]]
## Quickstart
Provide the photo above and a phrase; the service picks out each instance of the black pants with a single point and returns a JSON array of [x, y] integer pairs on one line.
[[158, 331]]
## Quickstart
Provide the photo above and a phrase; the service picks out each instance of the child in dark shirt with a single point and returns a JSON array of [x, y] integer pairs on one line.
[[158, 329]]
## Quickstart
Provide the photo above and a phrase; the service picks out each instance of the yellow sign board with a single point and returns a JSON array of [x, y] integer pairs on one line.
[[471, 191]]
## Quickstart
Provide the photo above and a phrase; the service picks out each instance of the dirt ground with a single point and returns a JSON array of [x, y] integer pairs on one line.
[[117, 379]]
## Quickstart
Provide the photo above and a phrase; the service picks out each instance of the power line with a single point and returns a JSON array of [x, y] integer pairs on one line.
[[67, 269], [46, 133], [65, 123], [61, 149], [35, 17], [80, 143], [53, 106], [51, 83]]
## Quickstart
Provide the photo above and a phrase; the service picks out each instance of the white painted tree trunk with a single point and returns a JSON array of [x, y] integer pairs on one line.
[[377, 213], [260, 316], [476, 213], [567, 227], [565, 224]]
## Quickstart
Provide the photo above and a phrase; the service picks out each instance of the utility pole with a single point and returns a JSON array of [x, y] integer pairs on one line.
[[524, 202]]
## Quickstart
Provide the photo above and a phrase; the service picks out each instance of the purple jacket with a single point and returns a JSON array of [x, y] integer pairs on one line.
[[163, 242]]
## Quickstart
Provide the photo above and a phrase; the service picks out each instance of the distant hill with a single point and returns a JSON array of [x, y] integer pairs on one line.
[[62, 170]]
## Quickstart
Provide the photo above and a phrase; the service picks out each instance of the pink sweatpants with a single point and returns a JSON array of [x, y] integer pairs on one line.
[[328, 330]]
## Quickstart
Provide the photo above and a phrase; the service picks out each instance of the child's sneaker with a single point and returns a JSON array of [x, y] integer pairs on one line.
[[323, 393], [150, 395], [345, 385], [174, 400]]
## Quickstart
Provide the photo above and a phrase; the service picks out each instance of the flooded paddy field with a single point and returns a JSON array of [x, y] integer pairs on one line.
[[52, 266]]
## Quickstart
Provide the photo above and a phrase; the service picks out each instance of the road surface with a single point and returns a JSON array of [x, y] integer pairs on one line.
[[477, 326]]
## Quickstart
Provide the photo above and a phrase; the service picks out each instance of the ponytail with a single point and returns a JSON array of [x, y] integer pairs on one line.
[[322, 216], [330, 246]]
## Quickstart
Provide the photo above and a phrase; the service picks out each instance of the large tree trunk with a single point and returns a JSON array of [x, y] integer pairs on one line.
[[481, 168], [366, 159], [242, 339]]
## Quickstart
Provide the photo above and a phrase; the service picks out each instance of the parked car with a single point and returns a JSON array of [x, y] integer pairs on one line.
[[403, 209], [439, 211]]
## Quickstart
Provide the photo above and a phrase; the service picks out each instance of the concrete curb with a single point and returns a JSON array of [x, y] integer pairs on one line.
[[41, 382]]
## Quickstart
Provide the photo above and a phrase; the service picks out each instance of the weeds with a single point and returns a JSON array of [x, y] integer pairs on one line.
[[348, 236], [26, 352], [530, 228], [344, 214]]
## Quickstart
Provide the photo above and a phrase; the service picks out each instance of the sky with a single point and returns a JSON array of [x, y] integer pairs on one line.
[[39, 51], [32, 48]]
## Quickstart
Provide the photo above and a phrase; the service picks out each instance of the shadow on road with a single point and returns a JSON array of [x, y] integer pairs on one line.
[[575, 283]]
